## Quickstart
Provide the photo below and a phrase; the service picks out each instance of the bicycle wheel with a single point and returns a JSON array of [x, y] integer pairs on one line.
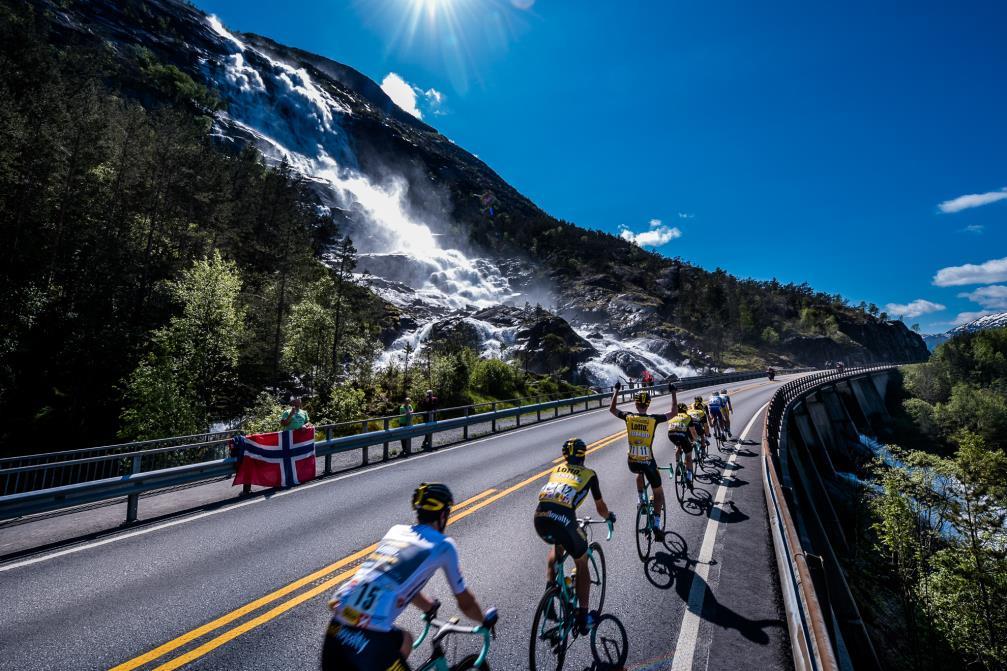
[[596, 571], [680, 484], [609, 643], [470, 663], [644, 535], [547, 649]]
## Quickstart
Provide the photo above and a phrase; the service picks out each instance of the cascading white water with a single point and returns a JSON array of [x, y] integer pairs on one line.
[[294, 119]]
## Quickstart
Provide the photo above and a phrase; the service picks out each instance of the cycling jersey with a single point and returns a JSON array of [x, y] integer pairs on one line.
[[555, 520], [640, 432], [567, 487], [679, 424], [698, 417], [715, 402], [392, 575]]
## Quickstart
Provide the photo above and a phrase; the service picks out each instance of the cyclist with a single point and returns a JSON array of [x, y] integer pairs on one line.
[[640, 431], [726, 409], [682, 434], [362, 635], [714, 408], [556, 520], [700, 419]]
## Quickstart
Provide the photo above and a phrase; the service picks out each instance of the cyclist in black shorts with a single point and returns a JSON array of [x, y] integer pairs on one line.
[[362, 635], [556, 519], [682, 434], [640, 431]]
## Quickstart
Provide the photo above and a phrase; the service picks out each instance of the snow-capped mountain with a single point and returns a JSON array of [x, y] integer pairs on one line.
[[994, 321]]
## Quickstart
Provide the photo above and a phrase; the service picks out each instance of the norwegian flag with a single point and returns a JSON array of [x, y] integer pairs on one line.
[[280, 459]]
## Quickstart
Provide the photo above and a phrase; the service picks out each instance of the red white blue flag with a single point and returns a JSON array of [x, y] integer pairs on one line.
[[280, 459]]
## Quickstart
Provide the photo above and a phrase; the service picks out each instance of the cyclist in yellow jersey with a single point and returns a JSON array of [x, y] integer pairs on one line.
[[556, 519], [701, 419], [682, 433], [640, 431]]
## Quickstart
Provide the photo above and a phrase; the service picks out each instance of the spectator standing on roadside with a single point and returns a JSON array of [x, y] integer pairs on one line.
[[406, 419], [647, 379], [294, 417], [428, 405]]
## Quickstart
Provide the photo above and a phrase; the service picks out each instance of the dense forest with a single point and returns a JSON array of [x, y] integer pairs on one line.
[[933, 573], [160, 280]]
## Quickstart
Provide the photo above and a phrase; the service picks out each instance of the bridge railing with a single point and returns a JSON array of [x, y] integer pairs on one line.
[[80, 477], [821, 638]]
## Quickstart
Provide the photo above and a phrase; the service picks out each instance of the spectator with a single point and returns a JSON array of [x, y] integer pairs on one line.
[[647, 378], [406, 419], [428, 406], [294, 417]]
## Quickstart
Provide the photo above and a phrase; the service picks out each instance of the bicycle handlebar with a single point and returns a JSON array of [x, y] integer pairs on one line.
[[583, 522]]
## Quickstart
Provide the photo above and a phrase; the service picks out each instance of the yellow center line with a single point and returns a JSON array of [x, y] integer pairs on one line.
[[252, 606], [275, 612], [199, 632]]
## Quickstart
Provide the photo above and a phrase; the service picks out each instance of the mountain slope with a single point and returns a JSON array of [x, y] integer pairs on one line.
[[983, 323], [442, 237]]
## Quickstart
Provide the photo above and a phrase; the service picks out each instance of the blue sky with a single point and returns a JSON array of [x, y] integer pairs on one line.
[[807, 141]]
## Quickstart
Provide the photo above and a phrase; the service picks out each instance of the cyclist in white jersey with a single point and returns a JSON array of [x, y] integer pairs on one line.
[[362, 635]]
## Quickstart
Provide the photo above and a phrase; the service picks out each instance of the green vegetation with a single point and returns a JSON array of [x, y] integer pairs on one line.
[[939, 521]]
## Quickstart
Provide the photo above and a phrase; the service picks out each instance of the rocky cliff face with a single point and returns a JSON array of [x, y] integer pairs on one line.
[[460, 255]]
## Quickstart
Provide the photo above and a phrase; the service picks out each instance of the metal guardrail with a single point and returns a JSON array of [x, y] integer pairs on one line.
[[810, 619], [145, 470]]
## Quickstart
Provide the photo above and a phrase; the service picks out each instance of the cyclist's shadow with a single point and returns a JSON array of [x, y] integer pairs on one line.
[[662, 567]]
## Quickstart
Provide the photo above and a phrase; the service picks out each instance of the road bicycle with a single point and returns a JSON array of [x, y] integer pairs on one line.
[[438, 658], [679, 472], [720, 434], [645, 520], [554, 625]]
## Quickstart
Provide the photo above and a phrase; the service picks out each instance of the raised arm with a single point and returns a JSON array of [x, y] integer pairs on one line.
[[615, 399], [674, 401]]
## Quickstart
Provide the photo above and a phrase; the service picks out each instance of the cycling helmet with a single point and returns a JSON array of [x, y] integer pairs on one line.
[[723, 392], [682, 407], [642, 398], [698, 399], [432, 497], [574, 448]]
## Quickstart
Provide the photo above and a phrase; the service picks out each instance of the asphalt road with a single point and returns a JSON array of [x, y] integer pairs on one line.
[[245, 586]]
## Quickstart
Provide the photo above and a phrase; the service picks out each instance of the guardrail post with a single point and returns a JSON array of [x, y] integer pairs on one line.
[[363, 429], [538, 411], [519, 412], [493, 422], [465, 429], [384, 448], [133, 500], [328, 457]]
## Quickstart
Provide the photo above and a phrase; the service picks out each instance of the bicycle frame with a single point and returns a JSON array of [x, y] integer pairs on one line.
[[438, 661], [568, 593]]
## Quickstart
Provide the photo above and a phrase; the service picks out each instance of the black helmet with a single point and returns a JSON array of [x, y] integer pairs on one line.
[[574, 448], [642, 398], [698, 399], [682, 407], [432, 497]]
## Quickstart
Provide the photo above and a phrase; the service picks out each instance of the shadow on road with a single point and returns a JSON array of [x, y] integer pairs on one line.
[[698, 502], [732, 516], [716, 613], [672, 555]]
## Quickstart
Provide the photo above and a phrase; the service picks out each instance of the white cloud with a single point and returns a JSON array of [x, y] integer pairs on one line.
[[658, 235], [994, 270], [992, 297], [401, 93], [974, 228], [914, 309], [686, 215], [408, 96], [972, 200], [966, 317]]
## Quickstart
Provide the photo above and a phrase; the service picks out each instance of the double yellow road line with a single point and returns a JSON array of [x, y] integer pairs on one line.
[[331, 575], [342, 569]]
